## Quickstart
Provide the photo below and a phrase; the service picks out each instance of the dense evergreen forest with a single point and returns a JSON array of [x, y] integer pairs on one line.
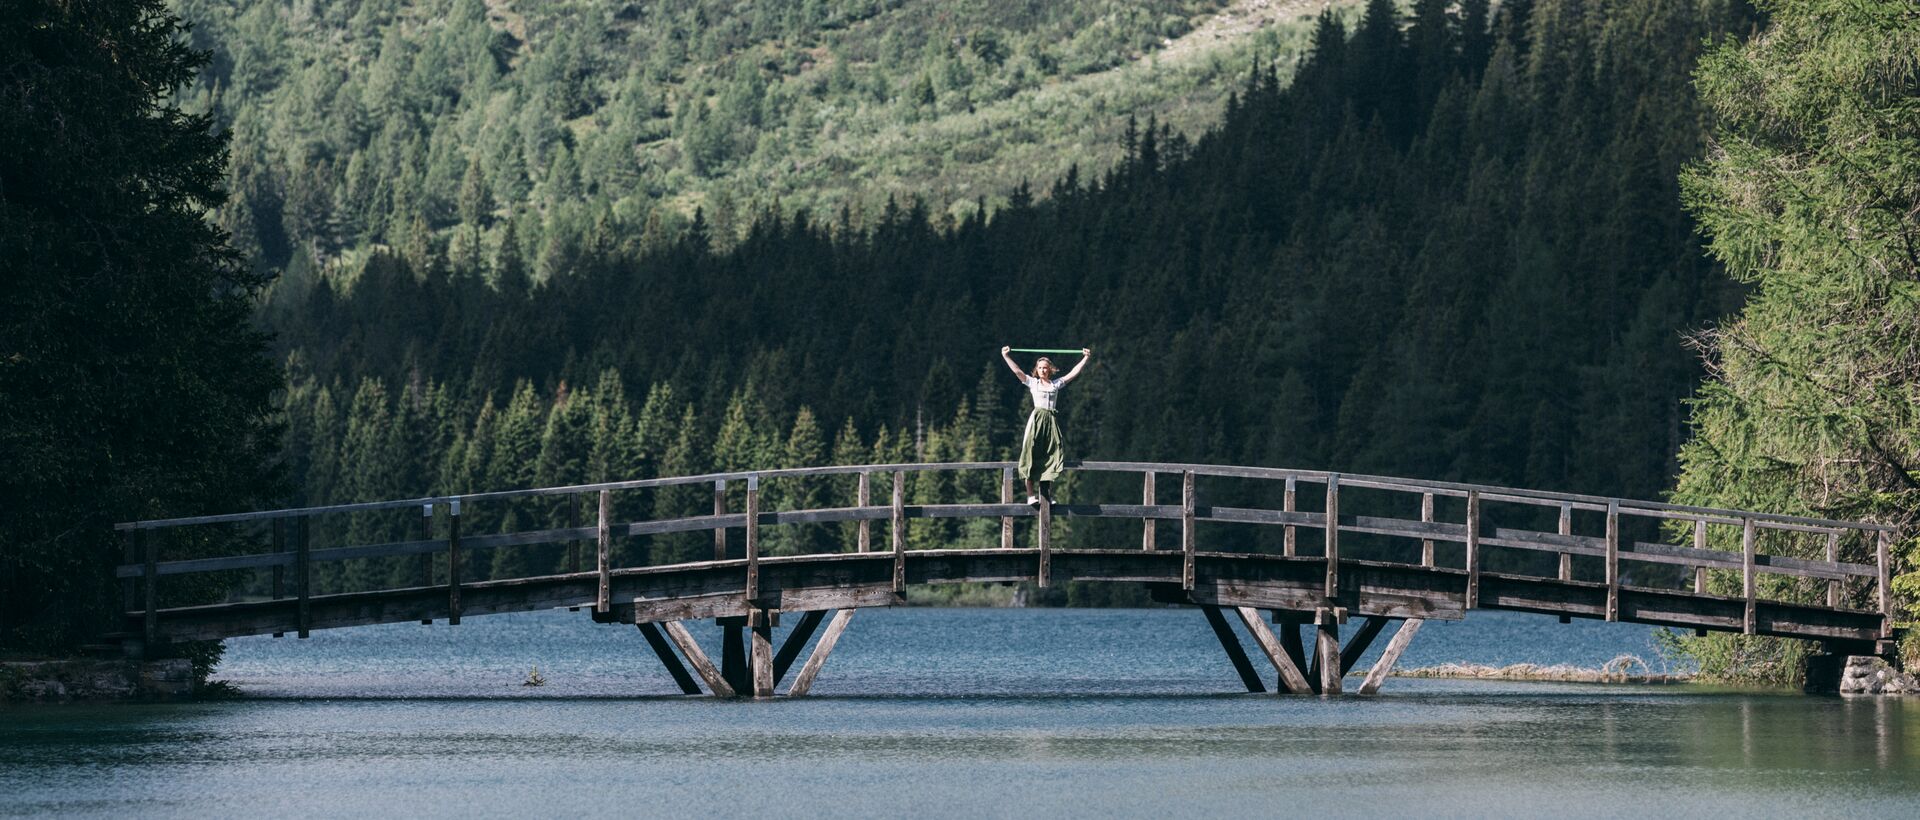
[[1451, 247]]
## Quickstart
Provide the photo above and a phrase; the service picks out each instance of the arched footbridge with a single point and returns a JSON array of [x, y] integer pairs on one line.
[[1301, 550]]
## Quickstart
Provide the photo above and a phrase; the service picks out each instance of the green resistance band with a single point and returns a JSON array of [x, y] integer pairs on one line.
[[1041, 350]]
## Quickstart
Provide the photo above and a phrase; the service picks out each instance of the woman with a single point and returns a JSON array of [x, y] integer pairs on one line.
[[1041, 447]]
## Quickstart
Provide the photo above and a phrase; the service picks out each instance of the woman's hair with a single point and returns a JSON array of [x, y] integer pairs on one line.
[[1036, 363]]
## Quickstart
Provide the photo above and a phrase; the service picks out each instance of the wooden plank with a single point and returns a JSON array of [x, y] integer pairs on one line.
[[1290, 545], [796, 640], [573, 523], [1332, 530], [664, 652], [762, 633], [1473, 549], [1146, 499], [753, 548], [1882, 553], [603, 554], [1360, 642], [716, 683], [1043, 531], [1700, 543], [1327, 653], [453, 566], [1291, 675], [898, 531], [423, 571], [804, 681], [1249, 677], [1747, 548], [303, 571], [865, 499], [1426, 517], [150, 548], [1006, 497], [1390, 656], [1186, 529], [1566, 528], [719, 509], [279, 582], [1613, 561], [1833, 557]]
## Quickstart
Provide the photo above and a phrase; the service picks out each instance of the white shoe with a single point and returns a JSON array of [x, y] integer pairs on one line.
[[1033, 501]]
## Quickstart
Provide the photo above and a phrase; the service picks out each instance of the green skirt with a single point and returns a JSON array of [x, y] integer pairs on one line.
[[1042, 447]]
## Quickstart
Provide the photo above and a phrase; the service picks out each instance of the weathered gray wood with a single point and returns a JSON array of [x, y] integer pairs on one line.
[[1006, 497], [1566, 528], [303, 571], [129, 553], [1327, 653], [1473, 549], [1700, 543], [1613, 561], [762, 660], [1186, 530], [1426, 517], [796, 640], [716, 683], [804, 681], [603, 554], [573, 523], [734, 664], [1290, 546], [1249, 677], [719, 509], [1882, 556], [664, 652], [865, 499], [150, 548], [1291, 675], [898, 531], [279, 581], [753, 548], [1290, 642], [423, 570], [1747, 548], [1332, 530], [1833, 557], [1360, 642], [1390, 656], [1043, 532], [1146, 499]]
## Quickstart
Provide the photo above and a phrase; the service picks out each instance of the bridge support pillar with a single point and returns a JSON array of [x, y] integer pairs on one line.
[[1327, 651], [733, 654]]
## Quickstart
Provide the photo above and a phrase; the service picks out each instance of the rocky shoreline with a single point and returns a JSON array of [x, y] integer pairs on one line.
[[74, 680]]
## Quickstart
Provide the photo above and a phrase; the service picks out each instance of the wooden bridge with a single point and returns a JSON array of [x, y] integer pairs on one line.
[[1337, 549]]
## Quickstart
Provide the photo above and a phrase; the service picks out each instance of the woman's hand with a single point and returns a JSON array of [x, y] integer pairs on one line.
[[1086, 353], [1005, 349]]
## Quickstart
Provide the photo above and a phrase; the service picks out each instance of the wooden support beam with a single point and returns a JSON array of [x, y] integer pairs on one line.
[[898, 531], [796, 640], [762, 658], [864, 498], [279, 582], [1289, 503], [1333, 537], [573, 523], [753, 550], [1291, 676], [1360, 642], [1043, 528], [424, 570], [719, 509], [603, 554], [1747, 547], [733, 657], [1833, 557], [1390, 656], [804, 681], [1613, 560], [716, 682], [1291, 643], [150, 582], [1186, 530], [1006, 497], [1700, 543], [1566, 528], [664, 652], [1327, 652], [1426, 517], [1473, 549], [303, 572], [1884, 561], [1249, 677], [1146, 499]]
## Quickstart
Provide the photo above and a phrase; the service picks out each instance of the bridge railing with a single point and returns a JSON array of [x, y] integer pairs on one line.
[[590, 528]]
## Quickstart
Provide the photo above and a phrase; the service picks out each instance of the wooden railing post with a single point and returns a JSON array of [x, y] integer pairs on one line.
[[753, 540], [424, 571], [1473, 548], [1333, 535], [303, 569], [1186, 530], [453, 565], [1043, 529], [573, 522], [1426, 517], [129, 553], [1700, 543], [1290, 546], [1613, 560], [1566, 528], [1006, 497], [1833, 557], [719, 509], [1882, 557], [279, 571], [1146, 498], [603, 540], [1747, 586], [898, 531], [864, 498], [151, 581]]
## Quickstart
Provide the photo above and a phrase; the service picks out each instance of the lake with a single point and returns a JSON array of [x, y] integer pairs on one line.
[[951, 713]]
